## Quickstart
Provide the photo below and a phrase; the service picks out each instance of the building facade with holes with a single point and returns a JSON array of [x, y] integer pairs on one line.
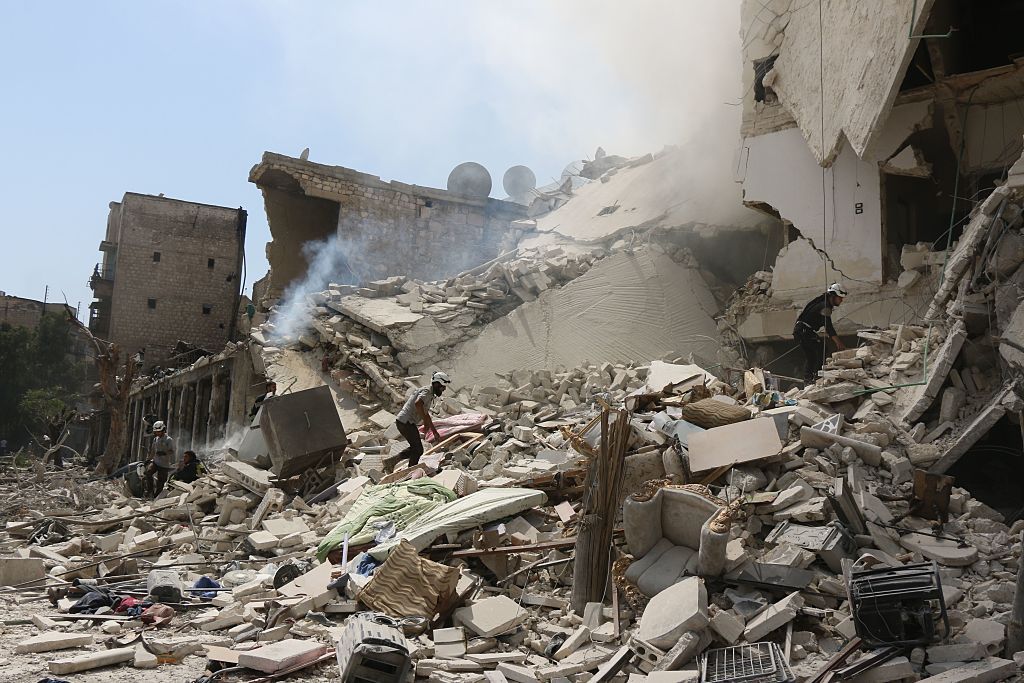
[[171, 270], [873, 130]]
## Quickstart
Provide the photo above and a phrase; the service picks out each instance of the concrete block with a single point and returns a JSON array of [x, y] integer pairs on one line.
[[491, 616], [986, 671], [579, 637], [679, 608], [957, 652], [91, 660], [776, 616], [18, 570], [728, 627], [52, 640], [896, 669], [144, 659], [281, 655], [263, 540], [449, 643]]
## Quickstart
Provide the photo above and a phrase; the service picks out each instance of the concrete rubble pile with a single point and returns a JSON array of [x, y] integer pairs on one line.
[[753, 527], [808, 481]]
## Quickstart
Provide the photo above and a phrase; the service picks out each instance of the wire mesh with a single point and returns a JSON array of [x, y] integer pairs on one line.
[[755, 663]]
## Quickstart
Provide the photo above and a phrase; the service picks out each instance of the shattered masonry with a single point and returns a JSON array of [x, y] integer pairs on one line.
[[864, 527]]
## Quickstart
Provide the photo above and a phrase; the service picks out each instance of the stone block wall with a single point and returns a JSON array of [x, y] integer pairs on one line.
[[195, 299], [385, 228]]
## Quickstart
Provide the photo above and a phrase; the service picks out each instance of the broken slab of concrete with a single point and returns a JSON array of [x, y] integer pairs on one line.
[[282, 655], [679, 608], [945, 552], [986, 671], [941, 363], [776, 616], [816, 438], [91, 660], [491, 616], [53, 640], [15, 571], [979, 427], [735, 443]]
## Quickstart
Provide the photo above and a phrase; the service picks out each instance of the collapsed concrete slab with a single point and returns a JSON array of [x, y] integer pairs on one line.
[[628, 307]]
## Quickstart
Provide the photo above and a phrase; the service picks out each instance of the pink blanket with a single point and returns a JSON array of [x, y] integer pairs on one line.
[[456, 424]]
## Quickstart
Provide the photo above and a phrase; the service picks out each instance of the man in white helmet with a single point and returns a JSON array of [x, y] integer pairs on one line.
[[162, 460], [416, 412], [818, 313]]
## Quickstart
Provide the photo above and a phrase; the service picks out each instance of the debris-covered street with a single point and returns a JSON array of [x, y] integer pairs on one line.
[[630, 425]]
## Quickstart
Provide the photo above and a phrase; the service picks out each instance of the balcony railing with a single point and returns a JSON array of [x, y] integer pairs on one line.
[[101, 274]]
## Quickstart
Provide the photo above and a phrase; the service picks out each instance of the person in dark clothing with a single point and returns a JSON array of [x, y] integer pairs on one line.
[[818, 313], [189, 469]]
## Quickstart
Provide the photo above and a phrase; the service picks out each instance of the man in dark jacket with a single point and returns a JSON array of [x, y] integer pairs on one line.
[[818, 313]]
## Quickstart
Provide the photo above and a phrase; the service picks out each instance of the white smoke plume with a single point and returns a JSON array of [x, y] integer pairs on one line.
[[329, 262]]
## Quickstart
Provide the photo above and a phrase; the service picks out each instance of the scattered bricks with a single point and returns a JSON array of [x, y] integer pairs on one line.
[[281, 655], [52, 640], [776, 616], [92, 660], [144, 541], [20, 570]]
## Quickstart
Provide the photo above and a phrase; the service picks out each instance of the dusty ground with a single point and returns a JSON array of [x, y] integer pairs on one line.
[[31, 668]]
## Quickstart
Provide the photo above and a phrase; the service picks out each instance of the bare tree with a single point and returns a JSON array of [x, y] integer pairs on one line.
[[115, 389]]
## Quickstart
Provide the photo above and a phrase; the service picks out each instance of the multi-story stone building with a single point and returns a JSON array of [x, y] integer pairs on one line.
[[171, 270], [379, 228]]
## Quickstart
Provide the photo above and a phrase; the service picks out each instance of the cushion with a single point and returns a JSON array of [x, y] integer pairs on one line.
[[669, 569], [683, 513], [644, 562]]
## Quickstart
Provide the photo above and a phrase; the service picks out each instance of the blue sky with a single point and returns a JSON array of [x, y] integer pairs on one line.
[[104, 97]]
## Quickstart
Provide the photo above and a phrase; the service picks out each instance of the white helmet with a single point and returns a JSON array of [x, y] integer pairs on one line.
[[441, 378], [159, 426], [837, 289]]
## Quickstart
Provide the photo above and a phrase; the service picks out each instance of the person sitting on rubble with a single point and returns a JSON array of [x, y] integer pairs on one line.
[[190, 468], [818, 313], [271, 391], [416, 412], [161, 462]]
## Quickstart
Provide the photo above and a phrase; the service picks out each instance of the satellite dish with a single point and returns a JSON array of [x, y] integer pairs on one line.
[[518, 181], [470, 178]]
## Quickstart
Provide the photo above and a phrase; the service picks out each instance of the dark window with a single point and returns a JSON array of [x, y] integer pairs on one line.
[[762, 93], [151, 303], [207, 308], [156, 257], [210, 262]]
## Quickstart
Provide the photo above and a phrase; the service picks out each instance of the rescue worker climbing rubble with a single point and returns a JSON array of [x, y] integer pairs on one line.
[[415, 412], [818, 313], [161, 462]]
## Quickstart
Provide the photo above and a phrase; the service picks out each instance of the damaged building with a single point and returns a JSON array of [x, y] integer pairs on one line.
[[171, 270]]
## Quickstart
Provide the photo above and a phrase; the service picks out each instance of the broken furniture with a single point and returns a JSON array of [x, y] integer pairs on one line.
[[831, 543], [372, 650], [304, 437], [897, 605], [671, 534], [755, 663]]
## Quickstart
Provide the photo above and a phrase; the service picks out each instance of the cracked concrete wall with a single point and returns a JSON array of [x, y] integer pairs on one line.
[[628, 307], [993, 135], [861, 58], [782, 172]]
